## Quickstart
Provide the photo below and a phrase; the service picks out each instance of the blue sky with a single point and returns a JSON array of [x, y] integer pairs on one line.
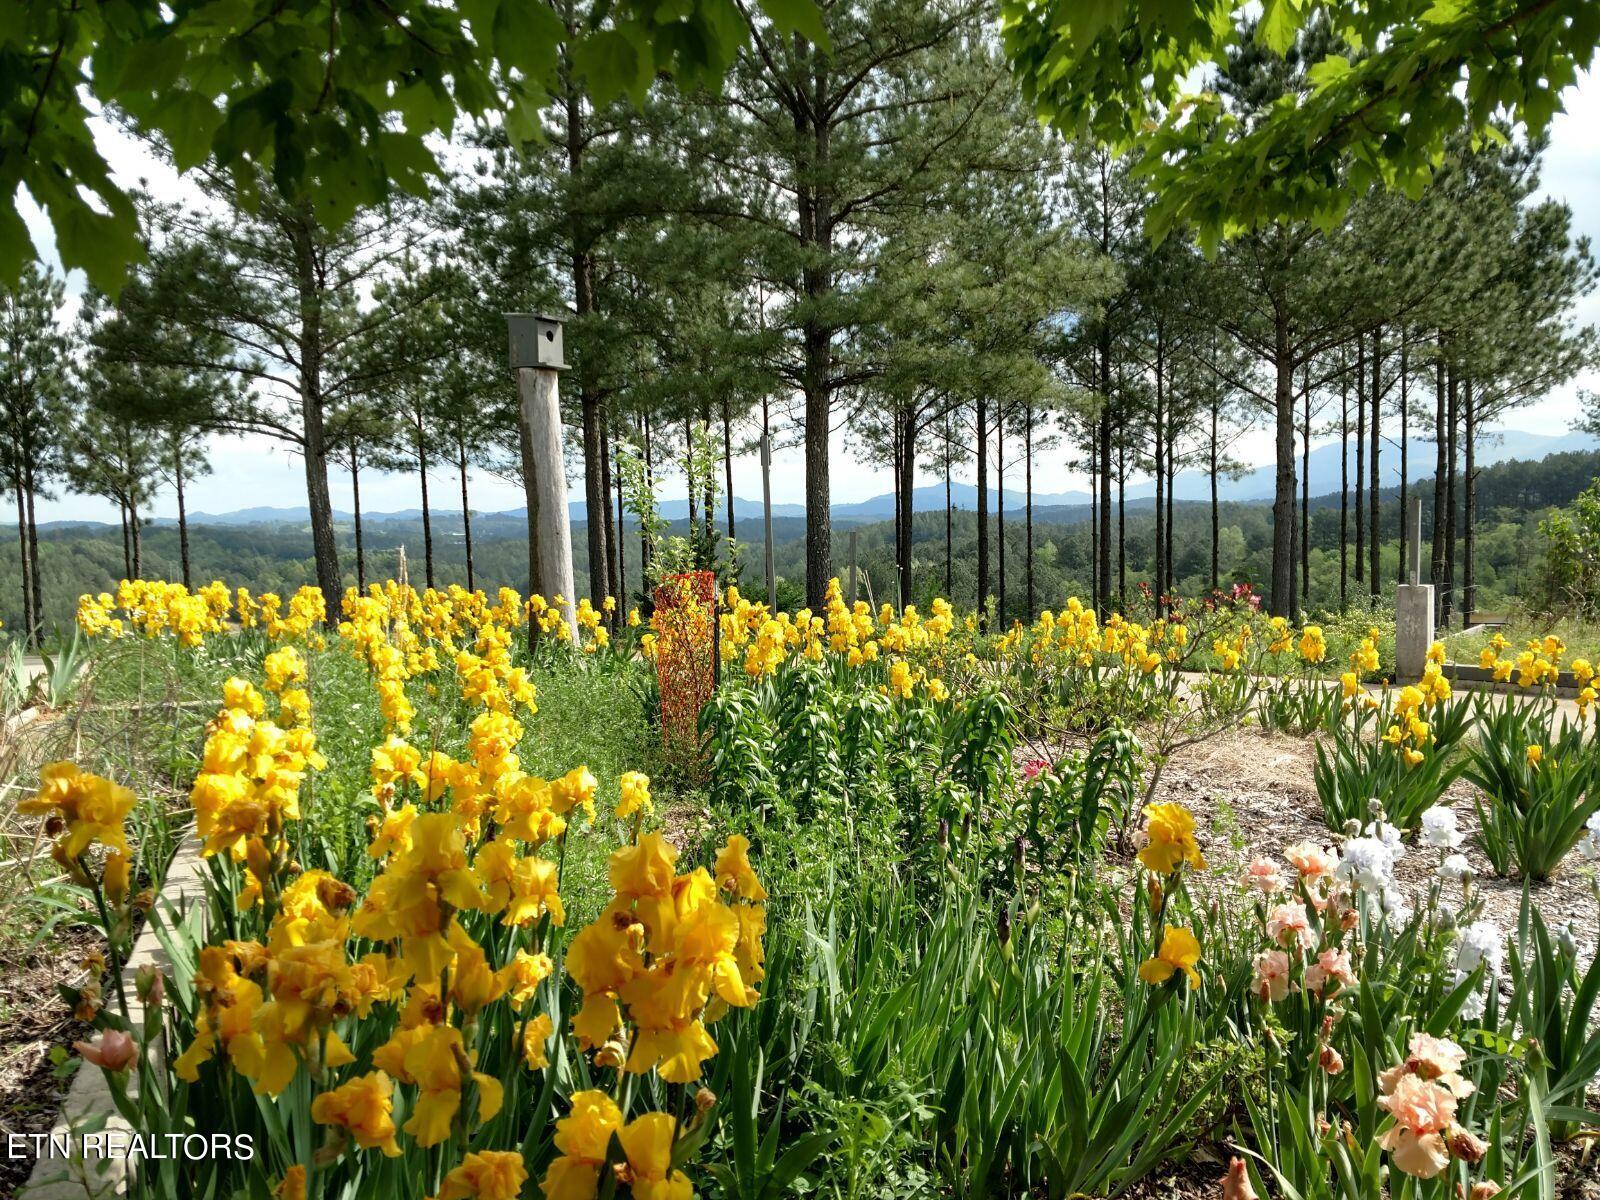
[[253, 471]]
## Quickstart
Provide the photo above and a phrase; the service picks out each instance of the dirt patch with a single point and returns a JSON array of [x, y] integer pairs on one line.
[[34, 1019]]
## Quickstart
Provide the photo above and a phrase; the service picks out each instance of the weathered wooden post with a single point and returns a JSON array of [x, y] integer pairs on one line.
[[536, 357], [766, 505], [1413, 604]]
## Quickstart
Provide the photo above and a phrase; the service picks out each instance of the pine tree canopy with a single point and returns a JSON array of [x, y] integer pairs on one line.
[[335, 100], [1386, 86]]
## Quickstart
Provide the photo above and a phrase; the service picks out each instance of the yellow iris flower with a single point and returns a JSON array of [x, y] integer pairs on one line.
[[1179, 951]]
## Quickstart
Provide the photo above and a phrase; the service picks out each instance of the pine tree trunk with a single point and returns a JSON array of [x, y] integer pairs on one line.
[[819, 528], [904, 477], [1305, 490], [815, 205], [1469, 588], [1452, 421], [24, 569], [646, 549], [688, 474], [1094, 511], [1027, 459], [355, 493], [427, 517], [1443, 383], [591, 405], [127, 541], [710, 489], [949, 514], [1374, 513], [1361, 460], [1000, 510], [595, 499], [1103, 549], [983, 502], [1160, 470], [1283, 491], [34, 568], [727, 460], [1405, 456], [138, 542], [324, 549], [1216, 510], [1295, 525], [466, 507], [622, 556], [1122, 521], [612, 519], [183, 514], [897, 487], [1170, 589], [1344, 491]]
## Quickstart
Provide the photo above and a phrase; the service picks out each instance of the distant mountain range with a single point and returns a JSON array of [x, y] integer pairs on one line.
[[1255, 485]]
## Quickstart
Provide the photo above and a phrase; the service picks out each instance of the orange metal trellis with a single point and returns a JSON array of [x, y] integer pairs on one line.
[[685, 654]]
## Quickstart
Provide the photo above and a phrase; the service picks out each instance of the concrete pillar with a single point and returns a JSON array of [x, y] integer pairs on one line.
[[1413, 605], [1413, 629], [545, 480]]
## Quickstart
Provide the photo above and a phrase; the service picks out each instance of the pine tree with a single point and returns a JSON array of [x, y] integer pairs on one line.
[[274, 298], [823, 143], [35, 355]]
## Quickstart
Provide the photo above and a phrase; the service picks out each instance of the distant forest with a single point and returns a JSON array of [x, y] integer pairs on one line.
[[1512, 498]]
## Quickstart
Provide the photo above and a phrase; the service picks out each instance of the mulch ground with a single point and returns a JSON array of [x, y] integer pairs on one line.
[[33, 1020]]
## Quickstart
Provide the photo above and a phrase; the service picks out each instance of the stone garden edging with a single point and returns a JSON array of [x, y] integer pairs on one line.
[[88, 1102]]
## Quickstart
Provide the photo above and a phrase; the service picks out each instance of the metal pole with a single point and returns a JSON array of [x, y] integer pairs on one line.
[[766, 517]]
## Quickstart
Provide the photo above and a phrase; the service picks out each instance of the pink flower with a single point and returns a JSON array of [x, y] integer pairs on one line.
[[1311, 860], [1330, 1060], [1420, 1105], [1236, 1186], [1422, 1155], [1434, 1058], [1033, 768], [1265, 876], [1424, 1112], [1288, 925], [1271, 982], [114, 1050], [1331, 972]]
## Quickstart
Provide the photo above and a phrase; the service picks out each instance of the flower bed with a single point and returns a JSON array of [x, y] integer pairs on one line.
[[1004, 957]]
